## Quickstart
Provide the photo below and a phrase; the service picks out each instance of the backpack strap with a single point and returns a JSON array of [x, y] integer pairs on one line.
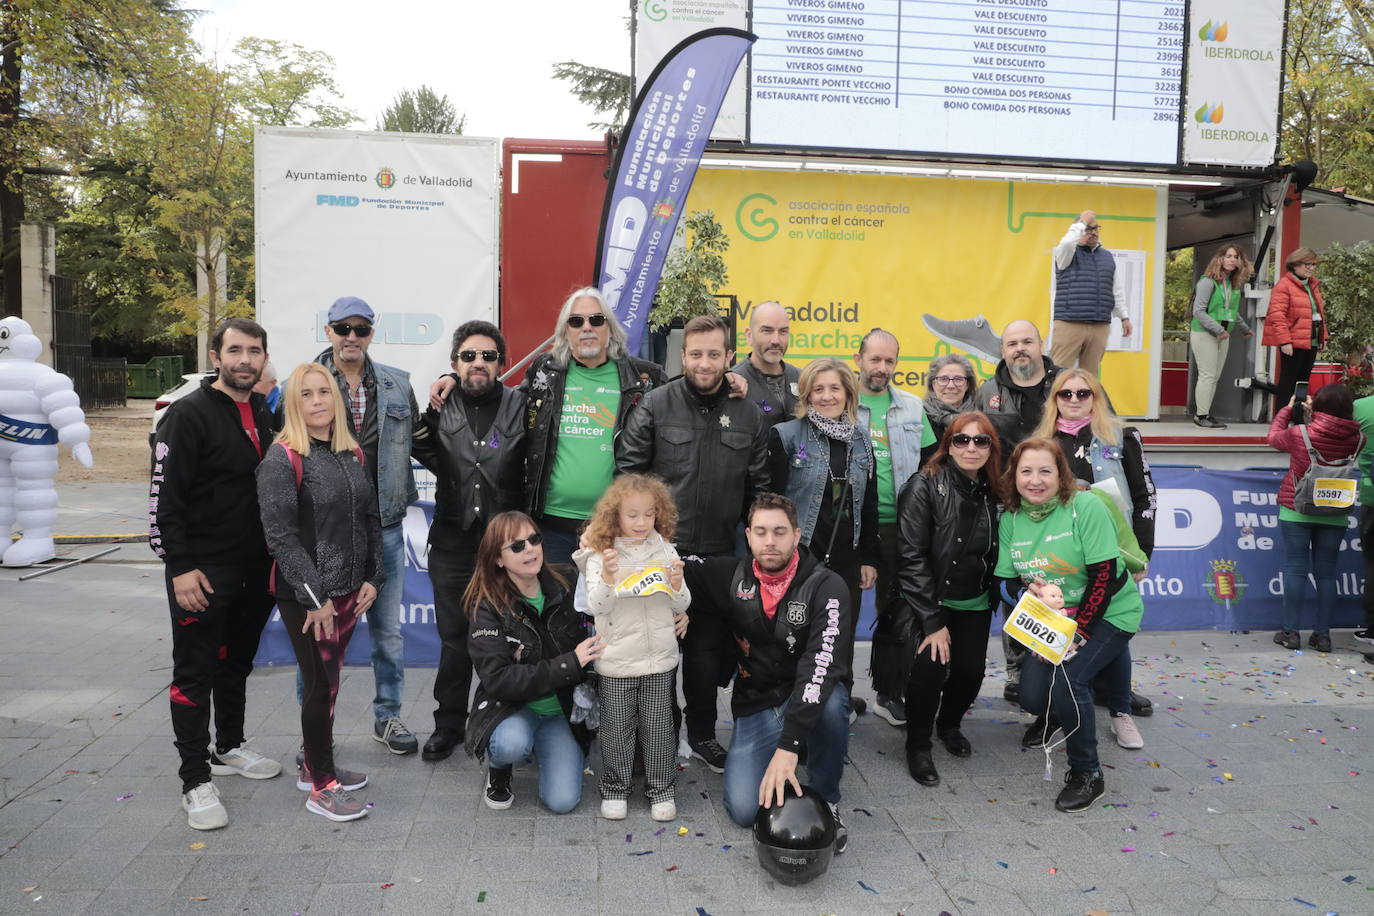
[[1315, 457]]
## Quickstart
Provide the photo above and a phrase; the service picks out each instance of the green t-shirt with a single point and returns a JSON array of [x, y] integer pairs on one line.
[[877, 405], [977, 603], [1060, 547], [549, 705], [584, 461], [1293, 515], [1364, 415]]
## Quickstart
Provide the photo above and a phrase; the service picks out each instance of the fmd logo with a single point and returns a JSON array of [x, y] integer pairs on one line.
[[336, 200]]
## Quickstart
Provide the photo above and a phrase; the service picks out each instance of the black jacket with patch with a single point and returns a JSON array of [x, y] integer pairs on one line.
[[797, 657]]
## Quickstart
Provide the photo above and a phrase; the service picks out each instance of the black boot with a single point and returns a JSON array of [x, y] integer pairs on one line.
[[922, 766], [955, 742], [1080, 790], [442, 743]]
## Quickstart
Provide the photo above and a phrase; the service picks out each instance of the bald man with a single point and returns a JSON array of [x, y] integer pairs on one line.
[[1015, 395], [772, 382]]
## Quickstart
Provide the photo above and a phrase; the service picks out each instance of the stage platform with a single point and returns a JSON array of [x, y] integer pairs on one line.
[[1239, 446]]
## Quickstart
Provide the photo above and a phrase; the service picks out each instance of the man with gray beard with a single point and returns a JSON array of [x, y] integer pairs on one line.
[[1015, 395]]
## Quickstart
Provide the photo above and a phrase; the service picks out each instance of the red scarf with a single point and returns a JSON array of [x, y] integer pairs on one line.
[[773, 587]]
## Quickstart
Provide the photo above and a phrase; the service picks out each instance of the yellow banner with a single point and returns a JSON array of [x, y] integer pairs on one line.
[[847, 253]]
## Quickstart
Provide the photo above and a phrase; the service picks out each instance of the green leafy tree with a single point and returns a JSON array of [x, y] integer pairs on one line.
[[606, 91], [1178, 290], [1348, 290], [693, 271], [423, 111]]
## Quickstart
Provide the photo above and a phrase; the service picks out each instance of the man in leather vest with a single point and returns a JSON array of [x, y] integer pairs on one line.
[[476, 450], [772, 382], [1088, 294], [791, 618]]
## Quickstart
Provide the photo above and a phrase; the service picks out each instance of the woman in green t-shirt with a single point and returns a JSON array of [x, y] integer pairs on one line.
[[1051, 534]]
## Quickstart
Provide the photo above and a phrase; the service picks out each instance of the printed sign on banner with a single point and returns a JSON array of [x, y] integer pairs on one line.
[[406, 222], [661, 24], [1235, 63]]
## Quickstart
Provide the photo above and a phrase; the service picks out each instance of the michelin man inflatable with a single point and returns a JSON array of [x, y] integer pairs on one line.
[[38, 409]]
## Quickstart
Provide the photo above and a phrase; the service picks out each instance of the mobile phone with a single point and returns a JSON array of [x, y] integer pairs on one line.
[[1298, 415], [1300, 392]]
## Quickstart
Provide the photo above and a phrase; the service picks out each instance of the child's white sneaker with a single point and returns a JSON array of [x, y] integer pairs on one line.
[[664, 810], [614, 809]]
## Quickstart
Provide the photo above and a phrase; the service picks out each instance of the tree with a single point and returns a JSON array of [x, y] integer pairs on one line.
[[1178, 290], [1348, 289], [607, 91], [693, 272], [422, 112]]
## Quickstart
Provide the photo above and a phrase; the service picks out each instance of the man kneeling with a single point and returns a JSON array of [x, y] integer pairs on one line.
[[790, 616]]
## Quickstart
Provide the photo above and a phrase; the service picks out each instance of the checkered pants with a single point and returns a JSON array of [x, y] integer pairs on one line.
[[642, 705]]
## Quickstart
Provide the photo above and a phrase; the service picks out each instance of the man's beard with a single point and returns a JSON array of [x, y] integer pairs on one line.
[[692, 380], [226, 375], [869, 378], [773, 564], [478, 385], [1025, 372], [587, 350]]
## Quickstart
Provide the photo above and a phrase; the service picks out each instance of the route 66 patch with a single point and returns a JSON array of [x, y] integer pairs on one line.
[[796, 613]]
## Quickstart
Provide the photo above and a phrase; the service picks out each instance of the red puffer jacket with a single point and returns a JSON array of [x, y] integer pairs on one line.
[[1289, 320], [1332, 437]]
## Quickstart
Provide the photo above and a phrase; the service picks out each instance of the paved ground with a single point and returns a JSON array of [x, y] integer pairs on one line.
[[1249, 797]]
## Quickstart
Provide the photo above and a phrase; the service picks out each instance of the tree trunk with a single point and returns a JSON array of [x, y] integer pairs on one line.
[[11, 171]]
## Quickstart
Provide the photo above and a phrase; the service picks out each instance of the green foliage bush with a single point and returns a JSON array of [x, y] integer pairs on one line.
[[1347, 282]]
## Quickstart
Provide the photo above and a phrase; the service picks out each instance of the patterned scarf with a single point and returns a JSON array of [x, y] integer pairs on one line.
[[774, 586], [841, 428]]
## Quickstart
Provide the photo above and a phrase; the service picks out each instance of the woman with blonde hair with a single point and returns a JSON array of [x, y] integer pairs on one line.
[[823, 461], [319, 514], [1216, 312]]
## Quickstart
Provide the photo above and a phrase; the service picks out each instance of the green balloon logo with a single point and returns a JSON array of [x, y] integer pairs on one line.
[[757, 219]]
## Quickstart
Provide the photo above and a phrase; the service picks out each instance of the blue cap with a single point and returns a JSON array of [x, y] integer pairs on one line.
[[350, 306]]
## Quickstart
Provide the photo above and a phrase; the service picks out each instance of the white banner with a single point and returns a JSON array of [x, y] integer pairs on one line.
[[1235, 62], [407, 222], [661, 24]]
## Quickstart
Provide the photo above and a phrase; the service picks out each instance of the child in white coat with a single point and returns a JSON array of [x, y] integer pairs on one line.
[[637, 597]]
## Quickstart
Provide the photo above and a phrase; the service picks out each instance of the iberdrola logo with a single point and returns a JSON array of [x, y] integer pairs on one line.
[[1209, 115], [1210, 32]]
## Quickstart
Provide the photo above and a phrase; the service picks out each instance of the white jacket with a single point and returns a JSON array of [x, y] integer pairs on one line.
[[638, 631]]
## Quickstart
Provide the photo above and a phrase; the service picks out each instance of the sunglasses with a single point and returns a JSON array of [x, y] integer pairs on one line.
[[470, 356], [534, 540], [343, 329], [1068, 394], [596, 321], [964, 440], [1093, 228]]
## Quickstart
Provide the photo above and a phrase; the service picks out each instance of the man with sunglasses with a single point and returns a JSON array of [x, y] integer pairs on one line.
[[1089, 292], [385, 420], [476, 451]]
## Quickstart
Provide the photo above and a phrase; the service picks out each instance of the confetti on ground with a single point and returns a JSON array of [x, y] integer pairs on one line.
[[388, 885], [1349, 879], [196, 847], [671, 868], [864, 811], [1170, 833], [867, 888], [1054, 871], [203, 899], [726, 847], [1128, 849], [123, 797], [1004, 864], [1089, 890], [481, 896], [629, 837], [682, 831], [647, 852], [660, 831], [1304, 902], [701, 911], [30, 890]]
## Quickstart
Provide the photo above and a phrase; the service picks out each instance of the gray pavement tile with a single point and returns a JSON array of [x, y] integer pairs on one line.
[[426, 897], [58, 901], [276, 899], [347, 900], [139, 901], [221, 900], [359, 867], [153, 871]]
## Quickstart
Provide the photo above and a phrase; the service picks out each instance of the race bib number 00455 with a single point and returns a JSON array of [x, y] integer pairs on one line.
[[643, 582], [1040, 628]]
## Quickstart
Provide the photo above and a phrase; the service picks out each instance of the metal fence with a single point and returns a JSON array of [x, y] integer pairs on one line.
[[99, 382]]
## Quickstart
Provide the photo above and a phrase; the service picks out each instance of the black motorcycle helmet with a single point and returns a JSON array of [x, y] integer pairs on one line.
[[795, 840]]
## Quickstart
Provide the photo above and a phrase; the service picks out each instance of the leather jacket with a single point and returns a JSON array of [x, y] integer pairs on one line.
[[520, 657], [474, 480], [947, 538], [760, 395], [1000, 398], [711, 451], [543, 389]]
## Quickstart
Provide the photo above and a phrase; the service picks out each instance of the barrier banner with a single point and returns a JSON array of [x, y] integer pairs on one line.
[[654, 167], [1217, 565]]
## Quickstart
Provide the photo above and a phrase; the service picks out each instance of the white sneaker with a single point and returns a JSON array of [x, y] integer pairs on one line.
[[244, 762], [664, 810], [684, 750], [1127, 735], [204, 811], [614, 809]]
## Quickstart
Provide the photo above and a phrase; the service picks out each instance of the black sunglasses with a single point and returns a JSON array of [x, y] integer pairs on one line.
[[1093, 228], [534, 540], [962, 440], [596, 321], [343, 329], [1068, 394], [470, 356]]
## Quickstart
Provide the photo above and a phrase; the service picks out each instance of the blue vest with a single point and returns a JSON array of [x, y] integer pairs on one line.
[[1083, 290], [808, 465]]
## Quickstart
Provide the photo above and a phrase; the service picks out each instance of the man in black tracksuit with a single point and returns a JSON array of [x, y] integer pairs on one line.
[[791, 618], [476, 450], [205, 525]]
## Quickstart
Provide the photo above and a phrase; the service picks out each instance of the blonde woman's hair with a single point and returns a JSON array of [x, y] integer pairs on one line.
[[604, 526], [293, 432], [808, 380], [1106, 427]]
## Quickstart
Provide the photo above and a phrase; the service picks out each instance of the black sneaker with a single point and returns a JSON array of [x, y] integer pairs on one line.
[[893, 712], [1141, 705], [499, 796], [841, 831], [709, 752], [394, 734], [1080, 791], [441, 743], [1320, 641], [1288, 639], [1364, 635], [1012, 692], [1039, 733]]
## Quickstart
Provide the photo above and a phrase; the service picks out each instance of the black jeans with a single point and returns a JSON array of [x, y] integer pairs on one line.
[[212, 656], [1292, 369], [450, 571], [708, 657], [320, 661], [939, 695]]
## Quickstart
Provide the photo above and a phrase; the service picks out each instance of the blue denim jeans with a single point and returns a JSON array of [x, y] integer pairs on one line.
[[1072, 702], [384, 630], [1116, 678], [556, 752], [756, 738], [1310, 548]]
